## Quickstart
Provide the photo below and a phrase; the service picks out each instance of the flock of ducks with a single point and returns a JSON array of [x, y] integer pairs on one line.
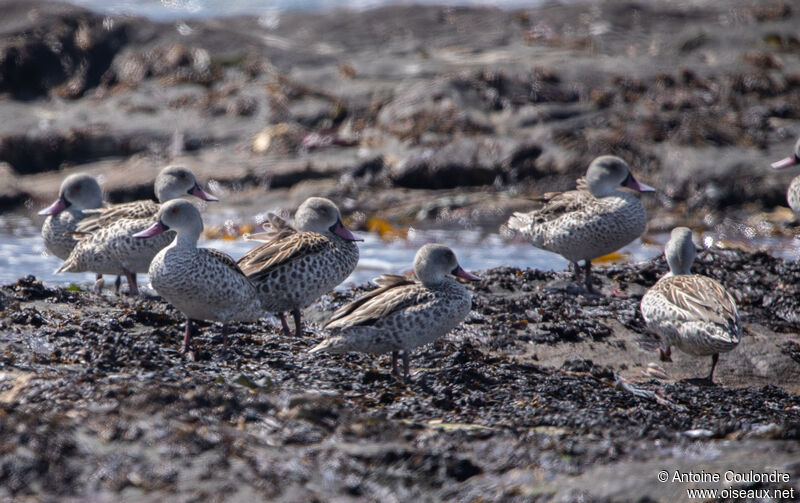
[[292, 266]]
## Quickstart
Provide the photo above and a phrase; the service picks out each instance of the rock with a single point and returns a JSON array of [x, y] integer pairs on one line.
[[466, 162]]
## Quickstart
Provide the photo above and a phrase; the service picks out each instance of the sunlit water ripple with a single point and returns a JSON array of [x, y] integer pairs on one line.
[[22, 252]]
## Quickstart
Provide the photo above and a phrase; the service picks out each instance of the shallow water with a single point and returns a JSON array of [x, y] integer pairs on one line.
[[22, 252], [268, 10]]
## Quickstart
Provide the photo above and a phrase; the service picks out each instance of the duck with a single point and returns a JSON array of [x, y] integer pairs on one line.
[[105, 244], [295, 266], [202, 283], [793, 193], [78, 194], [402, 313], [690, 311], [594, 220]]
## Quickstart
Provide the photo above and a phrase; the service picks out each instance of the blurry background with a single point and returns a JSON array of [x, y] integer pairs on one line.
[[423, 122]]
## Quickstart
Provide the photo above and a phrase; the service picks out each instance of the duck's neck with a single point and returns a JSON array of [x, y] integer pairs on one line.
[[186, 239]]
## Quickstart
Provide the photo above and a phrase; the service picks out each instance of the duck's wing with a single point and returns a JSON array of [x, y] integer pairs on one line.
[[394, 294], [284, 248], [554, 205], [103, 217], [699, 298], [275, 228]]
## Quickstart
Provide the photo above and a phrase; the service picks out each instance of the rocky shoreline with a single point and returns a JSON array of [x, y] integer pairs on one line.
[[396, 109], [423, 116], [539, 395]]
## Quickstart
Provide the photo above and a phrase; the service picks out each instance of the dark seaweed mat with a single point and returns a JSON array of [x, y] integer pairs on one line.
[[112, 373]]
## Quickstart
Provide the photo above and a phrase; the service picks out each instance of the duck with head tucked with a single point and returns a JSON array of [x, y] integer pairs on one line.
[[294, 267], [402, 313], [106, 244], [592, 221], [202, 283], [793, 193], [690, 311]]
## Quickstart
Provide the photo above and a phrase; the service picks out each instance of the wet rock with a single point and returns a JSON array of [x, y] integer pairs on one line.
[[64, 52], [466, 162], [445, 105]]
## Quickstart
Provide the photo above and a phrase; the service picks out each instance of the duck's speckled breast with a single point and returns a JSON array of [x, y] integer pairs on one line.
[[54, 233], [203, 288]]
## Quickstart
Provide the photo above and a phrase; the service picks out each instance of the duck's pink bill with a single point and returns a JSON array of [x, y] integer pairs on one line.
[[784, 163], [637, 185], [55, 208], [344, 232], [198, 192], [153, 230], [461, 273]]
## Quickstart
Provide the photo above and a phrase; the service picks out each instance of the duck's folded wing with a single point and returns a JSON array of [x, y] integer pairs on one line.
[[558, 204], [394, 294], [103, 217], [264, 258], [700, 298], [275, 228]]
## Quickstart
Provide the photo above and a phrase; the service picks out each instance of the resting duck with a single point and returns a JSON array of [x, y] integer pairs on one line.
[[202, 283], [106, 244], [592, 221], [294, 267], [403, 313], [690, 311]]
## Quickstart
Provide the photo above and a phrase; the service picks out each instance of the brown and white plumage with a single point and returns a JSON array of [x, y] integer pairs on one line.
[[403, 314], [172, 182], [294, 267], [592, 221], [690, 311], [106, 244], [202, 283], [793, 193]]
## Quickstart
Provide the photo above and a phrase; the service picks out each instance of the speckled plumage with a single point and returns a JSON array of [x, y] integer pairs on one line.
[[793, 193], [579, 225], [294, 267], [202, 283], [106, 245], [403, 314], [689, 311], [592, 221], [113, 249]]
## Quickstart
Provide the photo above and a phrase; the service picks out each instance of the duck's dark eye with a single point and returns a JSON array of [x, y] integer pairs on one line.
[[77, 186]]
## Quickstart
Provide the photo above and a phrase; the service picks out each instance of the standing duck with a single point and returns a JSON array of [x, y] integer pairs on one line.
[[793, 194], [202, 283], [106, 244], [690, 311], [592, 221], [294, 267], [402, 313], [78, 193]]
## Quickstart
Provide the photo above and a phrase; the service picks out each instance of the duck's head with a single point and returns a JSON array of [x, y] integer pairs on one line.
[[680, 251], [608, 172], [320, 215], [792, 160], [433, 262], [178, 215], [174, 182], [79, 192]]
